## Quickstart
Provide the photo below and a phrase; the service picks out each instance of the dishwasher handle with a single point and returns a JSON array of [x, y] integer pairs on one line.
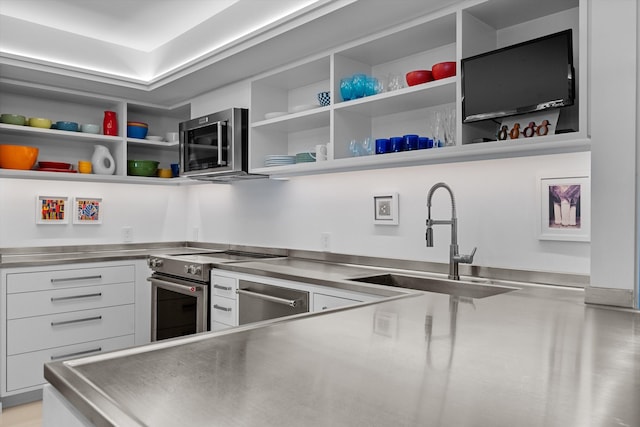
[[283, 301]]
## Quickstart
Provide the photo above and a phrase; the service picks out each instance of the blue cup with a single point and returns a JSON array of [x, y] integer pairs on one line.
[[358, 85], [395, 144], [371, 86], [423, 142], [382, 146], [346, 89], [410, 142], [175, 169]]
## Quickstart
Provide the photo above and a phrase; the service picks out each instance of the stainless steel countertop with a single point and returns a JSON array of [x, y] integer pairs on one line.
[[537, 356]]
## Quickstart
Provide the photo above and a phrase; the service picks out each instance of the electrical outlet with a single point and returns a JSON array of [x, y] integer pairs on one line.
[[325, 241], [127, 234]]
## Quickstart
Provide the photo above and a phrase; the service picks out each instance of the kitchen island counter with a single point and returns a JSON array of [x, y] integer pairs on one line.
[[535, 356]]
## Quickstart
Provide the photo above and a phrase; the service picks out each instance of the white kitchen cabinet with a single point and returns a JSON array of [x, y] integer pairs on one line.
[[70, 147], [225, 284], [451, 34], [65, 311], [224, 301], [323, 302]]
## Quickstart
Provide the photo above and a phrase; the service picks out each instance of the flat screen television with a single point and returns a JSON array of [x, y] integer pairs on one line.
[[531, 76]]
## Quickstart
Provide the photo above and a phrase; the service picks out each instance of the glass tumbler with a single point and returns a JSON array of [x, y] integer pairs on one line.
[[358, 84], [346, 89]]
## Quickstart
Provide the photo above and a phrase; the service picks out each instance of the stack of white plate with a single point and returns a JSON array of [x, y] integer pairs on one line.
[[279, 160]]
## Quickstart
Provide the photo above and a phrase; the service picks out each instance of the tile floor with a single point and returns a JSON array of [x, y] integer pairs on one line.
[[27, 415]]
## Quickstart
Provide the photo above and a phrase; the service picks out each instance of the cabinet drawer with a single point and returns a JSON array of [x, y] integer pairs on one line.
[[27, 304], [26, 370], [326, 302], [224, 286], [39, 333], [67, 278], [223, 310]]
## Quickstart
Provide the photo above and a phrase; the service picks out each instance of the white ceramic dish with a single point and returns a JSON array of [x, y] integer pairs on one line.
[[154, 138], [304, 107]]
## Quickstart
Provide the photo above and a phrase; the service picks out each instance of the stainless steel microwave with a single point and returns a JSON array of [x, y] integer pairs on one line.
[[215, 146]]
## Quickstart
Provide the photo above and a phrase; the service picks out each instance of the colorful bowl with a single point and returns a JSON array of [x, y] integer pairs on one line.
[[137, 130], [442, 70], [13, 119], [38, 122], [417, 77], [90, 128], [142, 167], [69, 126], [18, 157]]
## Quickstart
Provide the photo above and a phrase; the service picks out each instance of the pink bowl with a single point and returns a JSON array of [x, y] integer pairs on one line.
[[442, 70]]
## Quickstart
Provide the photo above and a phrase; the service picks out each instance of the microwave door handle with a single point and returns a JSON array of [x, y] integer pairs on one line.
[[219, 127]]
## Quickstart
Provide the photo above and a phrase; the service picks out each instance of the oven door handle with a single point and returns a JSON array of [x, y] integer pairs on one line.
[[183, 289], [283, 301]]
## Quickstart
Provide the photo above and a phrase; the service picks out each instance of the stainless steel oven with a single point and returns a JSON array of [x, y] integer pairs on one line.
[[259, 301], [178, 307], [215, 146], [180, 290]]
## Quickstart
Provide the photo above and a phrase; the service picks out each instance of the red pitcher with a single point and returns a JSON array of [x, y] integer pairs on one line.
[[110, 123]]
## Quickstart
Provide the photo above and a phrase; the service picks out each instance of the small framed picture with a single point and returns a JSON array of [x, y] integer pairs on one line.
[[565, 208], [51, 210], [385, 209], [87, 210]]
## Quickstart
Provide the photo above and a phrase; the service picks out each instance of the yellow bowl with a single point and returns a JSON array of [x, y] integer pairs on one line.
[[165, 173], [38, 122], [18, 157]]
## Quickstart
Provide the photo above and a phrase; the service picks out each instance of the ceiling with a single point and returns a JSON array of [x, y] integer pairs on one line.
[[165, 52]]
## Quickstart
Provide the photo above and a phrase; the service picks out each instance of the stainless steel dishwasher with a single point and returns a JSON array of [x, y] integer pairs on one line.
[[257, 301]]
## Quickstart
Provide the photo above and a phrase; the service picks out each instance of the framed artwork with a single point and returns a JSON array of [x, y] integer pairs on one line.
[[385, 209], [51, 210], [564, 212], [87, 210]]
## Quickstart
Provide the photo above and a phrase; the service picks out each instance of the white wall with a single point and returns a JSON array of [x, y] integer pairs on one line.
[[155, 213], [497, 206]]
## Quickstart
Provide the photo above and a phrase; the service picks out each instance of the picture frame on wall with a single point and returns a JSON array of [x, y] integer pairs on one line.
[[385, 209], [565, 203], [52, 209], [87, 210]]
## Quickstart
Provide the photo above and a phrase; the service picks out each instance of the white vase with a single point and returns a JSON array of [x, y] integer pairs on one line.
[[102, 161]]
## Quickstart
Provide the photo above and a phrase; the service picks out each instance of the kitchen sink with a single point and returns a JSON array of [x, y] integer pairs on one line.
[[472, 288]]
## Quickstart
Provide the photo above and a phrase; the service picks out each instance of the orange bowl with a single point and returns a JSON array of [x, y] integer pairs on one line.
[[17, 157], [417, 77], [442, 70]]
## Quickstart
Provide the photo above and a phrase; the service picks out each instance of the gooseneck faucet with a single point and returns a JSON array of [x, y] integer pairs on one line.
[[454, 257]]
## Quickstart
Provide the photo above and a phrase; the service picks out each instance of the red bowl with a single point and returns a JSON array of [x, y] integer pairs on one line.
[[54, 165], [417, 77], [442, 70]]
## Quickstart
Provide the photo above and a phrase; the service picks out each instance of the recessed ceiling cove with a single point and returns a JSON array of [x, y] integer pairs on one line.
[[139, 41]]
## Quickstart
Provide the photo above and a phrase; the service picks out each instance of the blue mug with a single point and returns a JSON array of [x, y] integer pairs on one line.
[[175, 169], [382, 146], [395, 143]]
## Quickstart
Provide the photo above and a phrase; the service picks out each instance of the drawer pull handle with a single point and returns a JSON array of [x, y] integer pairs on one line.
[[77, 353], [221, 308], [67, 322], [224, 288], [97, 294], [69, 279]]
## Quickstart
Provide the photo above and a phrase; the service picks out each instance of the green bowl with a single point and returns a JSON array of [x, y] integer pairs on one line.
[[13, 119], [142, 167]]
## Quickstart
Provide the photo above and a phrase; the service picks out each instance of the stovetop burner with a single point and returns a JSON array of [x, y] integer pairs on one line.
[[197, 266]]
